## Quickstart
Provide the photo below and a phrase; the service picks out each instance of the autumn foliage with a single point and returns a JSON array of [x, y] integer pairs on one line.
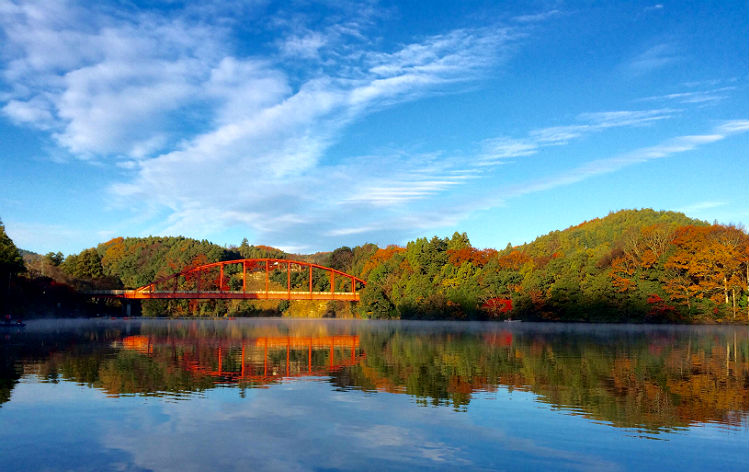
[[629, 266], [632, 265]]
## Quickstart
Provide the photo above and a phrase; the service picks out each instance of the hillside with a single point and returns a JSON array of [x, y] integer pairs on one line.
[[631, 265], [609, 232]]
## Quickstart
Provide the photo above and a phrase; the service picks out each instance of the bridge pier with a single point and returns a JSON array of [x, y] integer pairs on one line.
[[131, 307]]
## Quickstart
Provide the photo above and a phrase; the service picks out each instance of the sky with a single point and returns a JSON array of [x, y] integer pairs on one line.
[[309, 125]]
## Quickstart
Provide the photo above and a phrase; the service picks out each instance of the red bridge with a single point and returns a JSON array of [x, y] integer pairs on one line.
[[249, 279]]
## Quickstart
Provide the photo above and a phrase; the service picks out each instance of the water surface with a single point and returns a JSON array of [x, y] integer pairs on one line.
[[344, 395]]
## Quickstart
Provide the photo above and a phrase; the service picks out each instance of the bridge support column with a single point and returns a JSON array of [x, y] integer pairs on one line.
[[267, 276], [131, 307]]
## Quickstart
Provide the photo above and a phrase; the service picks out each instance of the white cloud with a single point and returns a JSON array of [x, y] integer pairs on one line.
[[210, 138], [537, 17], [653, 58], [263, 165], [604, 166], [559, 134], [733, 126], [695, 97], [105, 85], [305, 46], [612, 119], [498, 149], [35, 111], [657, 6]]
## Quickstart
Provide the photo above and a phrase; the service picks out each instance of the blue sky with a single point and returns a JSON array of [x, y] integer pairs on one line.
[[310, 125]]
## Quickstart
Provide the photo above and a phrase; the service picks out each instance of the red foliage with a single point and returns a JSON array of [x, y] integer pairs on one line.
[[198, 260], [476, 257], [514, 260], [660, 310], [381, 257], [653, 298], [497, 306]]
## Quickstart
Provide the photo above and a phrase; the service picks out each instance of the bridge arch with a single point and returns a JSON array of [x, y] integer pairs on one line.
[[192, 283]]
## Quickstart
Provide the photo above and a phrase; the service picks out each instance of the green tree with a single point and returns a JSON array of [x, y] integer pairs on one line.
[[54, 258], [342, 259], [11, 261]]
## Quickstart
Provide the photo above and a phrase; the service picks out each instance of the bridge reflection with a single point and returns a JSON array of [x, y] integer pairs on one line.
[[259, 360]]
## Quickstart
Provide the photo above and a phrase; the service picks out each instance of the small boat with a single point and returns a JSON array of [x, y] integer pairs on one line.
[[9, 322], [12, 324]]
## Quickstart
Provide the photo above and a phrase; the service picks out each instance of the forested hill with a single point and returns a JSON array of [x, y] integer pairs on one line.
[[609, 232], [632, 265]]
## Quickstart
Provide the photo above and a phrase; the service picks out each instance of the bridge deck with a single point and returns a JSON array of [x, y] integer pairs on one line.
[[228, 295]]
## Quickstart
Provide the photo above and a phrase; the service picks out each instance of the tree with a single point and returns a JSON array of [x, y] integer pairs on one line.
[[11, 261], [342, 259], [710, 257], [86, 265], [54, 258]]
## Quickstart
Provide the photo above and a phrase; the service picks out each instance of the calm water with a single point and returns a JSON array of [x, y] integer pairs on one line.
[[337, 395]]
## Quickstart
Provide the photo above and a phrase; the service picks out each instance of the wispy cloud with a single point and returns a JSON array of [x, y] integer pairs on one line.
[[537, 17], [653, 58], [269, 161], [608, 165], [693, 97], [657, 6], [441, 213], [210, 136], [496, 150]]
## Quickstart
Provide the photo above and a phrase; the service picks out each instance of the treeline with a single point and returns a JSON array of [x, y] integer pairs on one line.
[[632, 265], [640, 266], [31, 284]]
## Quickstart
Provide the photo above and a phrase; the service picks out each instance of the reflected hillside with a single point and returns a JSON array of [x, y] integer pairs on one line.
[[654, 379]]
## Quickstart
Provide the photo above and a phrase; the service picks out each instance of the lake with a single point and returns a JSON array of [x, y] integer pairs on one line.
[[280, 394]]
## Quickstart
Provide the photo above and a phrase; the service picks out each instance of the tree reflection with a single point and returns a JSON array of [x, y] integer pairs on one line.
[[654, 380]]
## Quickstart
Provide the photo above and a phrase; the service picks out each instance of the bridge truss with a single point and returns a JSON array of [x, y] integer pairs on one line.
[[248, 279]]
